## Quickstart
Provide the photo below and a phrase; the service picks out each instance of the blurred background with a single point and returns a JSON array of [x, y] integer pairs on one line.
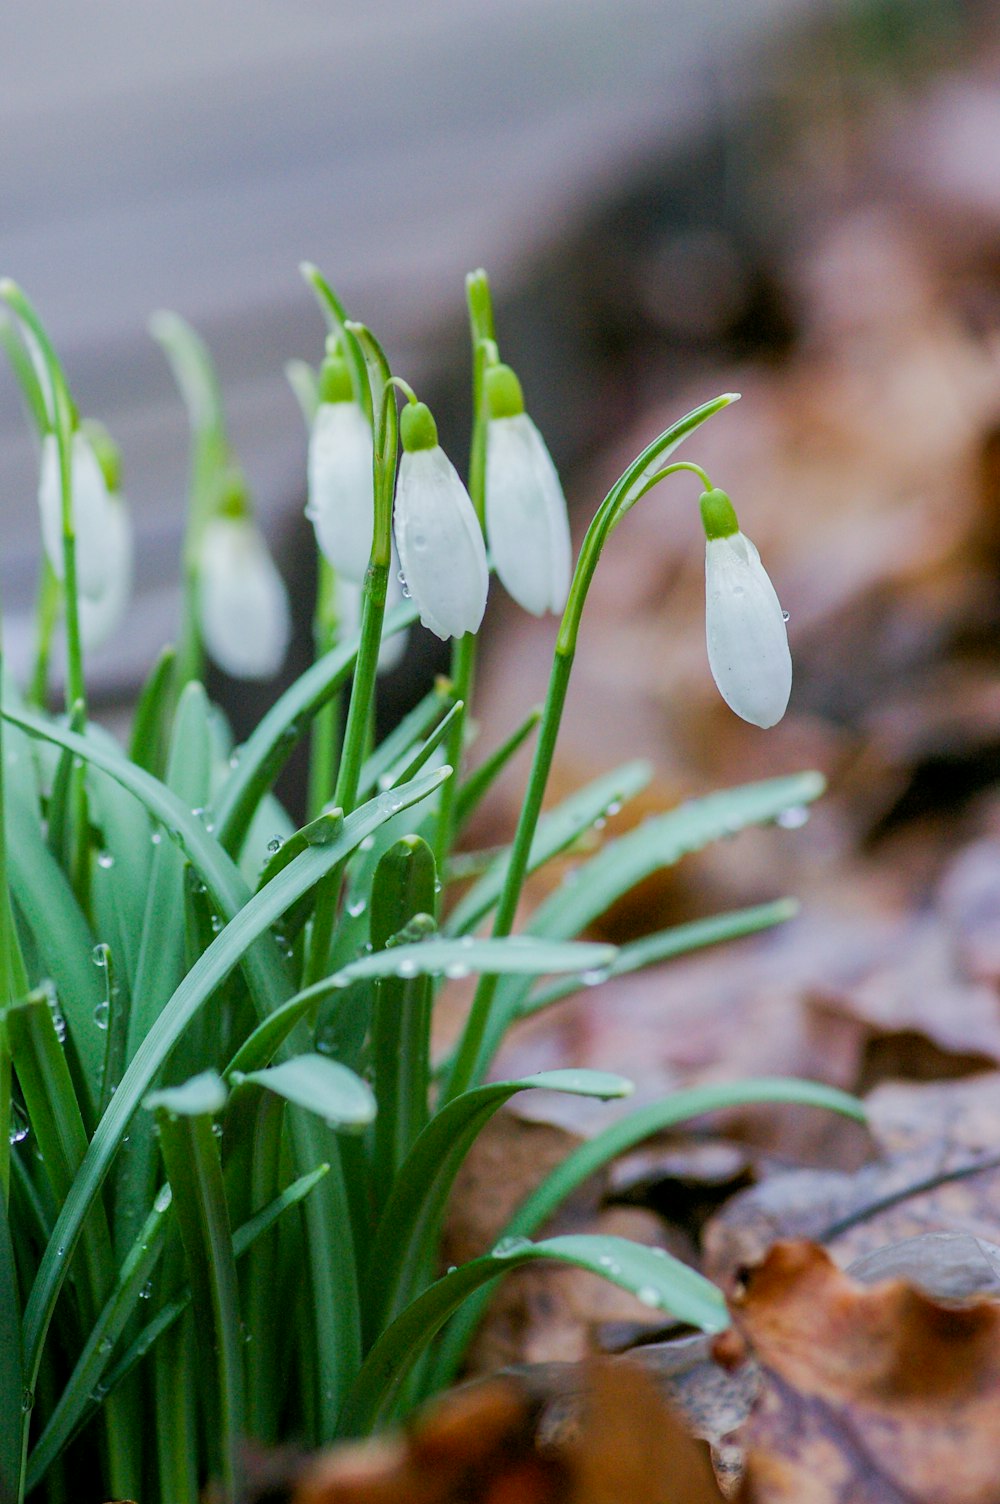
[[795, 199]]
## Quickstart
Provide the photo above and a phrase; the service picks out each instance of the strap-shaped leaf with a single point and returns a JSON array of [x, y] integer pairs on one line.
[[654, 1276], [320, 1085], [409, 1225], [621, 1136], [556, 830], [211, 969]]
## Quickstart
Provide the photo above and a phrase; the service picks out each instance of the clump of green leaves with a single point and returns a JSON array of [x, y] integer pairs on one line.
[[225, 1150]]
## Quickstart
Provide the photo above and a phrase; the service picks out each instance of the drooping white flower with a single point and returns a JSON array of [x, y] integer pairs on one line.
[[242, 602], [526, 520], [341, 502], [102, 615], [438, 536], [744, 623], [90, 513]]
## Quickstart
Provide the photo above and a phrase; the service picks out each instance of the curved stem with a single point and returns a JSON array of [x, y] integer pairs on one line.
[[469, 1065], [464, 650]]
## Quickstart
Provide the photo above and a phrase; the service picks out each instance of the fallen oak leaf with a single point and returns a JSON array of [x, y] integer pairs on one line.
[[873, 1395]]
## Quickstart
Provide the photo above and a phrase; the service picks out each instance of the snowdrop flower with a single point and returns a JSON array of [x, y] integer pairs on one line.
[[745, 626], [101, 615], [242, 602], [341, 503], [90, 512], [526, 521], [438, 535]]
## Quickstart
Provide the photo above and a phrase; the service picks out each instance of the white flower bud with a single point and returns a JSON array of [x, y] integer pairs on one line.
[[102, 615], [242, 602], [90, 513], [341, 498], [526, 520], [745, 628], [438, 535]]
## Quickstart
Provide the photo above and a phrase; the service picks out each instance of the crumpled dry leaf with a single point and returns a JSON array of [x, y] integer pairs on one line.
[[873, 1395], [487, 1444], [939, 1171]]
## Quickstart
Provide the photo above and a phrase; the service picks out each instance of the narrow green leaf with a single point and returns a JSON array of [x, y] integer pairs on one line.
[[151, 723], [65, 943], [320, 1085], [659, 1281], [191, 1157], [512, 955], [88, 1386], [407, 1232], [556, 831], [318, 832], [621, 864], [404, 888], [621, 1136], [200, 1096], [11, 1375], [412, 729], [85, 1381], [678, 940], [265, 752], [253, 920]]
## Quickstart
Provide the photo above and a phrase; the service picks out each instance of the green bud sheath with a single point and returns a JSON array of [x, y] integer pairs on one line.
[[335, 380], [417, 428], [504, 398], [717, 514], [233, 500], [107, 453]]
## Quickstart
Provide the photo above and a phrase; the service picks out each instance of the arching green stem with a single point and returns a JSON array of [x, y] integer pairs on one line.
[[464, 649], [646, 471]]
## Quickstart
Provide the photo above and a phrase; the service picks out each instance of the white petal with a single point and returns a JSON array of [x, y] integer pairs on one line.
[[341, 498], [526, 520], [100, 616], [242, 601], [440, 544], [90, 513], [747, 640]]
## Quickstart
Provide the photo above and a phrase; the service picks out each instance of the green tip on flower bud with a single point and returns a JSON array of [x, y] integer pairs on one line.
[[417, 428], [718, 516], [504, 398], [234, 499], [106, 452], [335, 380]]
